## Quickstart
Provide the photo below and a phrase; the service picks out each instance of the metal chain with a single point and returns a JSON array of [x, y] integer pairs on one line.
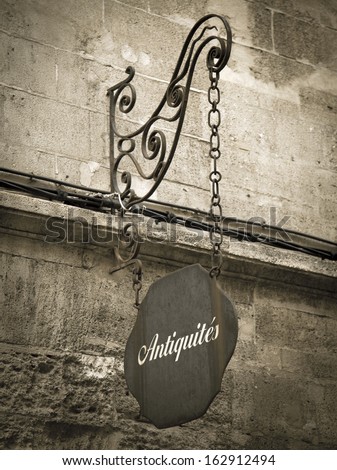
[[137, 275], [214, 121]]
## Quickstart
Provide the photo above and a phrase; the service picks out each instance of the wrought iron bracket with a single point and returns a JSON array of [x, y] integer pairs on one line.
[[149, 142]]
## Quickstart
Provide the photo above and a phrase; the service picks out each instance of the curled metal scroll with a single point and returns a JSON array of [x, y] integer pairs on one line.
[[129, 241], [128, 247], [148, 142]]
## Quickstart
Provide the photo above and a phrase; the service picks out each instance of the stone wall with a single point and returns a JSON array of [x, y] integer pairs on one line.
[[65, 320]]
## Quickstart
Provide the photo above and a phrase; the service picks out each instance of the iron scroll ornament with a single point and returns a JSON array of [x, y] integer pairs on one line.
[[149, 142]]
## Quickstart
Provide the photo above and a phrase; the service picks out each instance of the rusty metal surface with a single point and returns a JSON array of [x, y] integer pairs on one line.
[[183, 339]]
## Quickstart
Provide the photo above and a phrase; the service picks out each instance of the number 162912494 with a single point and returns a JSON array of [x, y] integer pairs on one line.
[[239, 459]]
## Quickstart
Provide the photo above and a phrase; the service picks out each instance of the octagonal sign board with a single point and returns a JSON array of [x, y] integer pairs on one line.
[[182, 341]]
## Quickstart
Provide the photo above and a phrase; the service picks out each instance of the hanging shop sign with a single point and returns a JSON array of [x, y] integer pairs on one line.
[[186, 329], [176, 355]]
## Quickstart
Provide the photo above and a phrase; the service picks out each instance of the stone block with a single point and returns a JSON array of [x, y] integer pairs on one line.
[[191, 164], [148, 42], [72, 388], [45, 124], [323, 13], [243, 400], [328, 156], [289, 408], [252, 131], [94, 172], [242, 168], [308, 332], [245, 353], [242, 294], [326, 14], [242, 204], [247, 329], [303, 217], [255, 159], [327, 211], [237, 97], [47, 251], [30, 66], [188, 196], [66, 24], [262, 70], [312, 302], [323, 100], [326, 412], [94, 175], [194, 123], [287, 180], [250, 23], [269, 357], [327, 186], [27, 160], [99, 138], [312, 365], [303, 41], [260, 26], [84, 81], [4, 54], [63, 168], [44, 315], [281, 71], [318, 107], [184, 13], [72, 78], [297, 138], [139, 4], [220, 410]]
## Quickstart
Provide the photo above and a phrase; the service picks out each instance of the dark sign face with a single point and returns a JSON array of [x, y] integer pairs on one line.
[[176, 355]]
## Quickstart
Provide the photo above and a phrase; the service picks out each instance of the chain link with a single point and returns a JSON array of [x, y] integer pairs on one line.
[[137, 275], [214, 121]]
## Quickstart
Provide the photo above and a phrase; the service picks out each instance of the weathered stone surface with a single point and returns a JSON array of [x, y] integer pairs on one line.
[[45, 124], [310, 332], [304, 41], [323, 12], [70, 387], [28, 65], [64, 24], [148, 52]]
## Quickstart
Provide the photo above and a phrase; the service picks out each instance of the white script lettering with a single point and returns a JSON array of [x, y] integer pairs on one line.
[[175, 345]]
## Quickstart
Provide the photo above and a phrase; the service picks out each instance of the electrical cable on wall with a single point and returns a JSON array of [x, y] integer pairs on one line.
[[104, 201]]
